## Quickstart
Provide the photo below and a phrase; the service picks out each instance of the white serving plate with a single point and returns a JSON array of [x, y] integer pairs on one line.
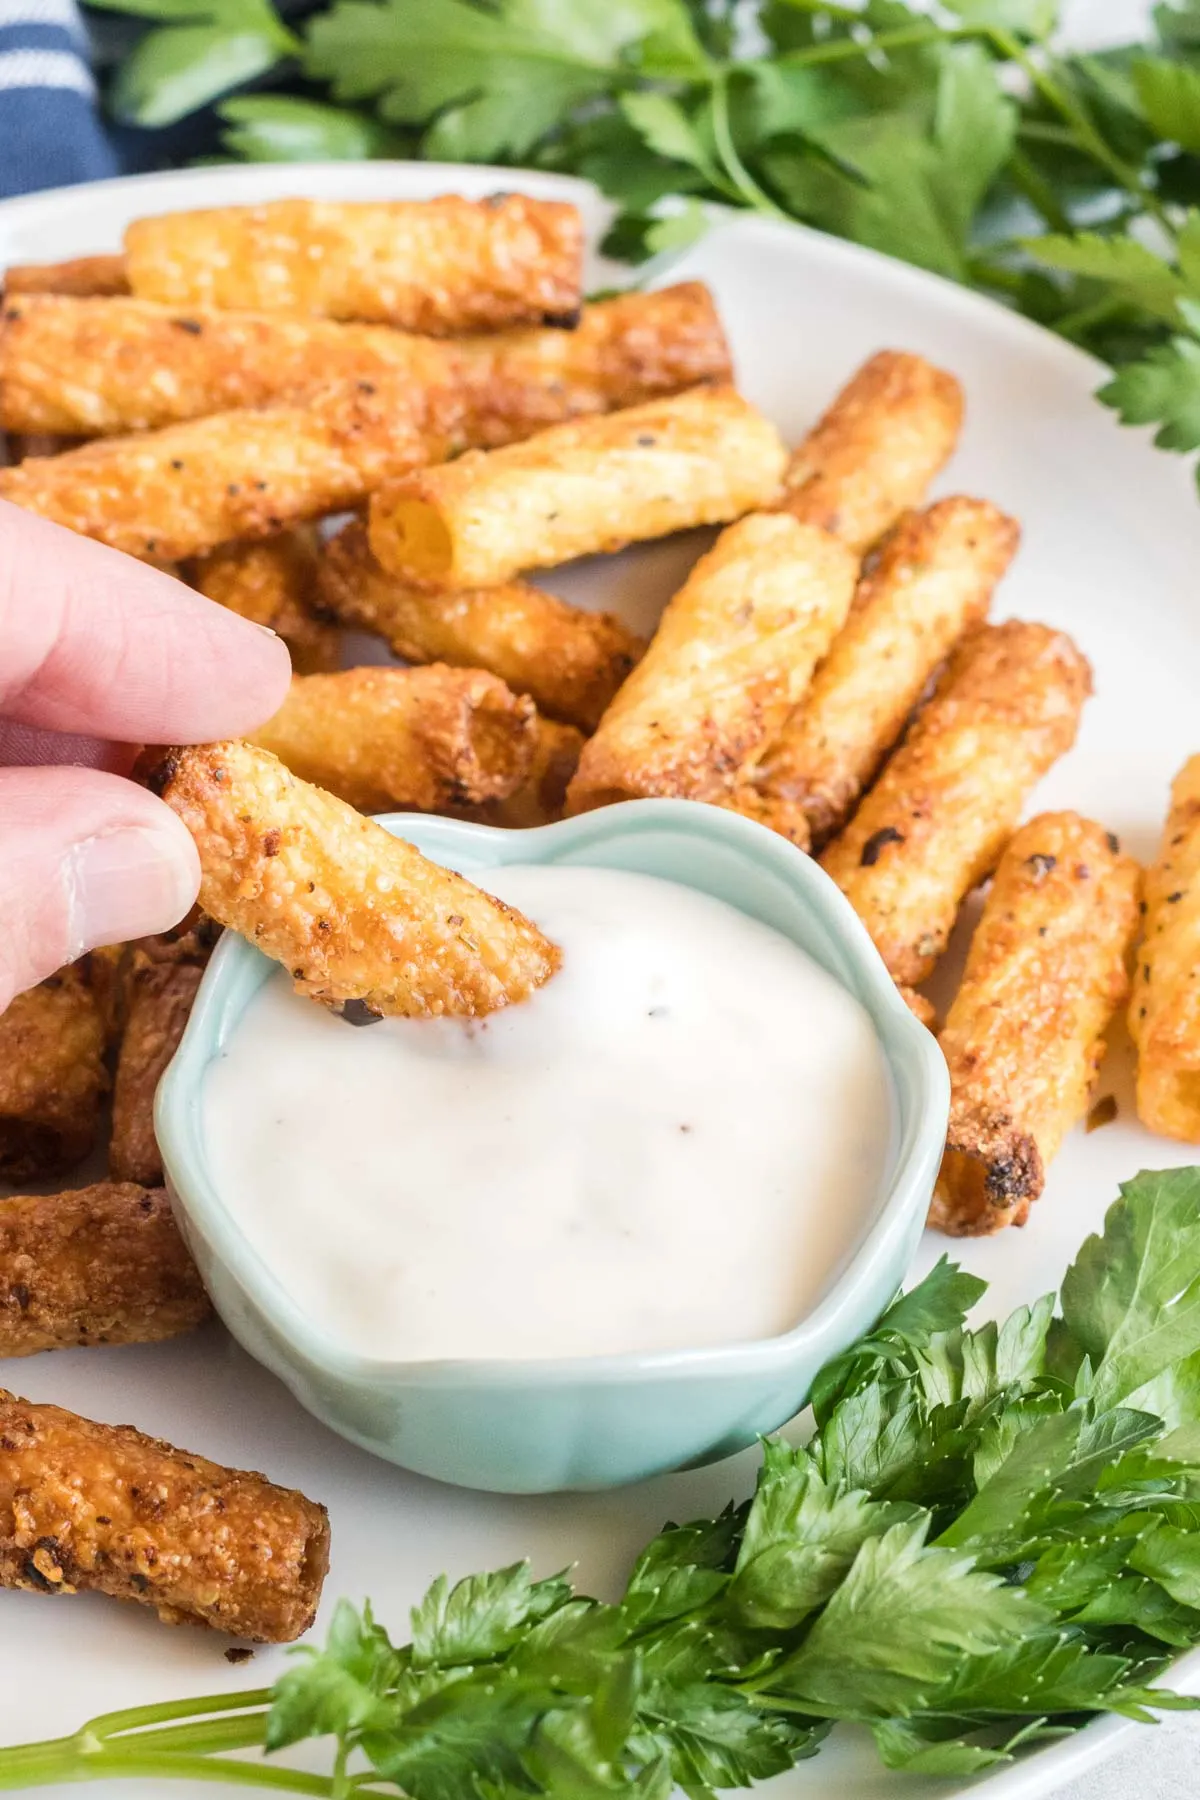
[[1111, 553]]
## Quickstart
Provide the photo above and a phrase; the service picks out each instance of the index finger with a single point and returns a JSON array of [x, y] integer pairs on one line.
[[99, 644]]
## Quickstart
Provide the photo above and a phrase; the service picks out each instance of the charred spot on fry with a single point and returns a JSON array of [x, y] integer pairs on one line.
[[875, 845]]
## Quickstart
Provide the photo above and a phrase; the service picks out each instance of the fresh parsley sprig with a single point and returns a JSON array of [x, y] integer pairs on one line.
[[992, 1535]]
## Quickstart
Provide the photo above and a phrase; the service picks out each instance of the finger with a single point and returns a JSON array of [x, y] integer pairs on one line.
[[24, 746], [85, 859], [97, 643]]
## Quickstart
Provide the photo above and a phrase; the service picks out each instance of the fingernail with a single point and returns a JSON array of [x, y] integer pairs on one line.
[[126, 883]]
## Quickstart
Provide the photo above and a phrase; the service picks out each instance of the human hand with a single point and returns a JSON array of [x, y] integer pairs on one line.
[[99, 654]]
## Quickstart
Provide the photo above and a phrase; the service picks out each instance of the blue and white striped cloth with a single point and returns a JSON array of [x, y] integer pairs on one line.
[[50, 130]]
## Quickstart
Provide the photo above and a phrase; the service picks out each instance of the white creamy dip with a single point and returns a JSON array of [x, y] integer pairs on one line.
[[676, 1142]]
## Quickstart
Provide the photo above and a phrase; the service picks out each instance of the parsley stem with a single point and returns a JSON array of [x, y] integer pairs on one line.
[[135, 1718], [83, 1758], [902, 38], [1056, 94], [727, 150], [1038, 191]]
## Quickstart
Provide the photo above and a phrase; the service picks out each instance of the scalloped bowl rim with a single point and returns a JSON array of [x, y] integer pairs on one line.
[[195, 1193]]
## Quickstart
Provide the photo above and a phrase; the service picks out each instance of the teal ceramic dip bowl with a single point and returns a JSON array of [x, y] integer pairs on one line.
[[587, 1422]]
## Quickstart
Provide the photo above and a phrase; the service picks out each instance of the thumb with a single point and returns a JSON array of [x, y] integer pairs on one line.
[[85, 859]]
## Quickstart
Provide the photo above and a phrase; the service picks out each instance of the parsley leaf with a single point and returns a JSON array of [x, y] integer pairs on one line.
[[1131, 1298], [482, 1616], [491, 80], [898, 1626], [208, 47]]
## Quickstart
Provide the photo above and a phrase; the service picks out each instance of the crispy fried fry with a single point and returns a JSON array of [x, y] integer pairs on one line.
[[440, 266], [595, 484], [1164, 1011], [97, 367], [1048, 967], [183, 491], [428, 738], [52, 1076], [877, 448], [273, 582], [936, 821], [161, 993], [86, 1507], [934, 578], [354, 913], [102, 1265], [734, 651], [82, 276], [542, 795], [569, 661], [624, 351]]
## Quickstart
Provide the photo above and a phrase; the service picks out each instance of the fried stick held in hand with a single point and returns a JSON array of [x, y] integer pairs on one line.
[[355, 914]]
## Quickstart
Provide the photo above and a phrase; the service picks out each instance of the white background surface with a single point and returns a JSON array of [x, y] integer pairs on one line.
[[1111, 550]]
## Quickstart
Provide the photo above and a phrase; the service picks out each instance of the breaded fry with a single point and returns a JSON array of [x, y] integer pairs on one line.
[[933, 579], [82, 276], [102, 1265], [186, 490], [86, 1507], [569, 661], [937, 819], [1024, 1038], [273, 582], [921, 1008], [876, 450], [542, 795], [624, 351], [105, 969], [161, 992], [1164, 1011], [97, 367], [52, 1076], [382, 738], [701, 458], [440, 266], [734, 651], [355, 914]]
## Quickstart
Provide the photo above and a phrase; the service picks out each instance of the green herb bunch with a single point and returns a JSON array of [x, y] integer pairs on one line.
[[992, 1535], [969, 142]]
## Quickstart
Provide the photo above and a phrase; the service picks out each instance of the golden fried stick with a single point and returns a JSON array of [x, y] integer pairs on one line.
[[734, 651], [52, 1076], [877, 448], [183, 491], [102, 1265], [624, 351], [542, 795], [569, 661], [934, 578], [937, 819], [161, 992], [701, 458], [428, 738], [440, 266], [1048, 967], [1164, 1010], [86, 1507], [273, 582], [355, 914], [97, 367], [82, 276]]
